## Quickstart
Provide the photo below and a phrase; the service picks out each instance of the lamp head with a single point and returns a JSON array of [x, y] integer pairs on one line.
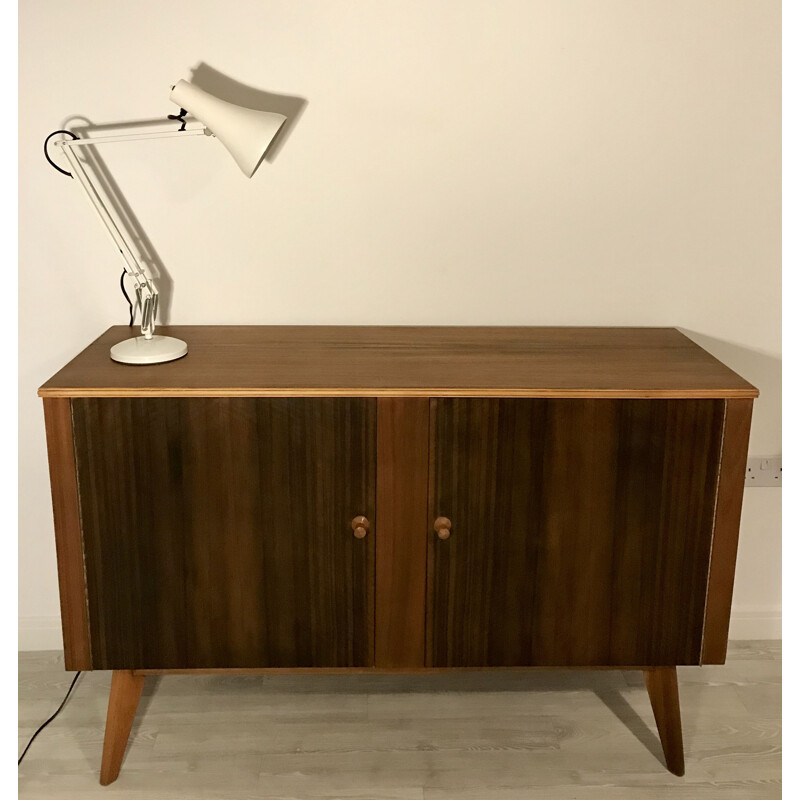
[[245, 132]]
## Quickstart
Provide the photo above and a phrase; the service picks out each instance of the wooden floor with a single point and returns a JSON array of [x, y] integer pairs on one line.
[[493, 736]]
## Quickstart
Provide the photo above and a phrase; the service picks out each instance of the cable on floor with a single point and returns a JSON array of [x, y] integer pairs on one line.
[[47, 722]]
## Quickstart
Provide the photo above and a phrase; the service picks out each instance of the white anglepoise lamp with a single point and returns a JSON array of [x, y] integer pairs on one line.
[[245, 132]]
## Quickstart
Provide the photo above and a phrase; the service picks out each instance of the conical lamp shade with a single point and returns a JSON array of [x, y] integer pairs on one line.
[[245, 132]]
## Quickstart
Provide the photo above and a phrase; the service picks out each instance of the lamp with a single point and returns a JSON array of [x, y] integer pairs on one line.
[[245, 132]]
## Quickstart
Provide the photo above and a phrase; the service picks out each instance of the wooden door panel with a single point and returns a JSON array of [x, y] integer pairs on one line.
[[581, 530], [217, 530]]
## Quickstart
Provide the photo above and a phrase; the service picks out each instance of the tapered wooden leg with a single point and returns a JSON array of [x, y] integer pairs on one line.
[[662, 686], [126, 688]]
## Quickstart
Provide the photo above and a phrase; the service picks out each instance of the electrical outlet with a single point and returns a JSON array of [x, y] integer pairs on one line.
[[763, 471]]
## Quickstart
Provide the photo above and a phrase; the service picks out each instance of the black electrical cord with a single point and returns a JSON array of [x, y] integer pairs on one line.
[[179, 118], [47, 155], [130, 305], [46, 723]]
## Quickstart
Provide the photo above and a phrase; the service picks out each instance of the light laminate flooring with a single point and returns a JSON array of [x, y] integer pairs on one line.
[[474, 736]]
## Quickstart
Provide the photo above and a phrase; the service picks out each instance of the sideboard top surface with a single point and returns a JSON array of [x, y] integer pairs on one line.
[[308, 361]]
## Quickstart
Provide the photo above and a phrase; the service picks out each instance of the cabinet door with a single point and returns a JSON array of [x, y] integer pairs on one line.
[[217, 532], [581, 530]]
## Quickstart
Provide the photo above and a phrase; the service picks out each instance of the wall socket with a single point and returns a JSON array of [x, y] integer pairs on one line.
[[763, 471]]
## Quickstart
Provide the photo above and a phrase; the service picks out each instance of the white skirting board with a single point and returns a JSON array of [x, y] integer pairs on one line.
[[39, 633], [762, 623], [44, 633]]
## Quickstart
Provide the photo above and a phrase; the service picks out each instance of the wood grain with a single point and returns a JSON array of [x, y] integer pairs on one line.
[[580, 534], [218, 531], [69, 538], [662, 687], [408, 361], [401, 537], [126, 688], [730, 491]]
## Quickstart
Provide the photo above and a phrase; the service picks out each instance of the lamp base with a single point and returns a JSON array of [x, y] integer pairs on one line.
[[154, 350]]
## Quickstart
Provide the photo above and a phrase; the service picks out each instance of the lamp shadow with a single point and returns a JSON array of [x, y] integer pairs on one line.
[[226, 88]]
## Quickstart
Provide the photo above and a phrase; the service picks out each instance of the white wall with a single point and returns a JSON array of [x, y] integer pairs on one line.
[[559, 162]]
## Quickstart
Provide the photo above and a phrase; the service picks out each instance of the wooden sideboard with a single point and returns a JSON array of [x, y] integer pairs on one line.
[[397, 499]]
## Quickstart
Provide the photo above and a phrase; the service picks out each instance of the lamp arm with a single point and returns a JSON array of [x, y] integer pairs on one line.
[[146, 292], [145, 288]]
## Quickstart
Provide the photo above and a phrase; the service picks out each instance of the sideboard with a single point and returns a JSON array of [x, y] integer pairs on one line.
[[397, 499]]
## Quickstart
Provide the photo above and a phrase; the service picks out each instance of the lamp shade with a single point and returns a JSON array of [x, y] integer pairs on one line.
[[245, 132]]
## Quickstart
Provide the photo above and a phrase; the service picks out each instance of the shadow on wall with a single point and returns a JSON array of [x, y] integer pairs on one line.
[[764, 372], [223, 87]]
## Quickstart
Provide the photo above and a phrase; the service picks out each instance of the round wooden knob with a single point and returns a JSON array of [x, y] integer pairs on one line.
[[442, 527], [360, 526]]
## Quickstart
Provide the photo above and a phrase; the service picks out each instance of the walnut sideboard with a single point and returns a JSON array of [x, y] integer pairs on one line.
[[397, 499]]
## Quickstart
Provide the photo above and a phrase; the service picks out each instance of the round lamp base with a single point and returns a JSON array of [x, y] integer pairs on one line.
[[154, 350]]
